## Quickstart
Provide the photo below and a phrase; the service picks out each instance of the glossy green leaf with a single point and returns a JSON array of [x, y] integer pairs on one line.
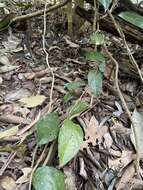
[[69, 141], [48, 128], [78, 108], [105, 3], [97, 38], [95, 56], [95, 78], [132, 18], [48, 178]]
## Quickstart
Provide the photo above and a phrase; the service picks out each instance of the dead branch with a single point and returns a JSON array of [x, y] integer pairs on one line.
[[40, 12]]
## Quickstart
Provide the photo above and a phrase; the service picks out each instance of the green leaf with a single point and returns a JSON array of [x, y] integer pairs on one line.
[[102, 67], [48, 178], [95, 78], [95, 56], [132, 18], [48, 128], [78, 108], [74, 85], [69, 141], [68, 97], [6, 21], [97, 38], [105, 3]]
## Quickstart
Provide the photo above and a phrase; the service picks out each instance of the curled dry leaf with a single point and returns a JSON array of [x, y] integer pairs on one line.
[[10, 118], [71, 44], [25, 177]]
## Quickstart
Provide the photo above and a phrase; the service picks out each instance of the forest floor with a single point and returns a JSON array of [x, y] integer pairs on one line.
[[109, 160]]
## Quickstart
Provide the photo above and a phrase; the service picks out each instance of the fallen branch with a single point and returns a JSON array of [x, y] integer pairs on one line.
[[40, 12], [132, 33]]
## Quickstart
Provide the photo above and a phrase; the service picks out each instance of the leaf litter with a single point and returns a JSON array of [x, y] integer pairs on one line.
[[107, 156]]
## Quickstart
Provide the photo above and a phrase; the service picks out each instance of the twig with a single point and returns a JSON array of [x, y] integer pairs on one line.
[[47, 60], [35, 167], [34, 155], [38, 13], [12, 155], [95, 16], [51, 152], [125, 107], [27, 127]]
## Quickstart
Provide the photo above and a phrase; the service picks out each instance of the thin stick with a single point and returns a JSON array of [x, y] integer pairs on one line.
[[50, 153], [11, 157], [35, 167], [27, 127], [47, 60], [125, 107], [95, 16]]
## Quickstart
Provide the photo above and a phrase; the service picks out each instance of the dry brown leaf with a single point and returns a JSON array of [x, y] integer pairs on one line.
[[94, 133], [126, 158], [11, 45], [8, 183], [33, 101], [4, 60], [17, 94], [126, 177], [70, 181], [25, 177], [13, 109]]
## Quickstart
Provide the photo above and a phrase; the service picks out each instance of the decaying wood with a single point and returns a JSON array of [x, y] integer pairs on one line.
[[132, 33]]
